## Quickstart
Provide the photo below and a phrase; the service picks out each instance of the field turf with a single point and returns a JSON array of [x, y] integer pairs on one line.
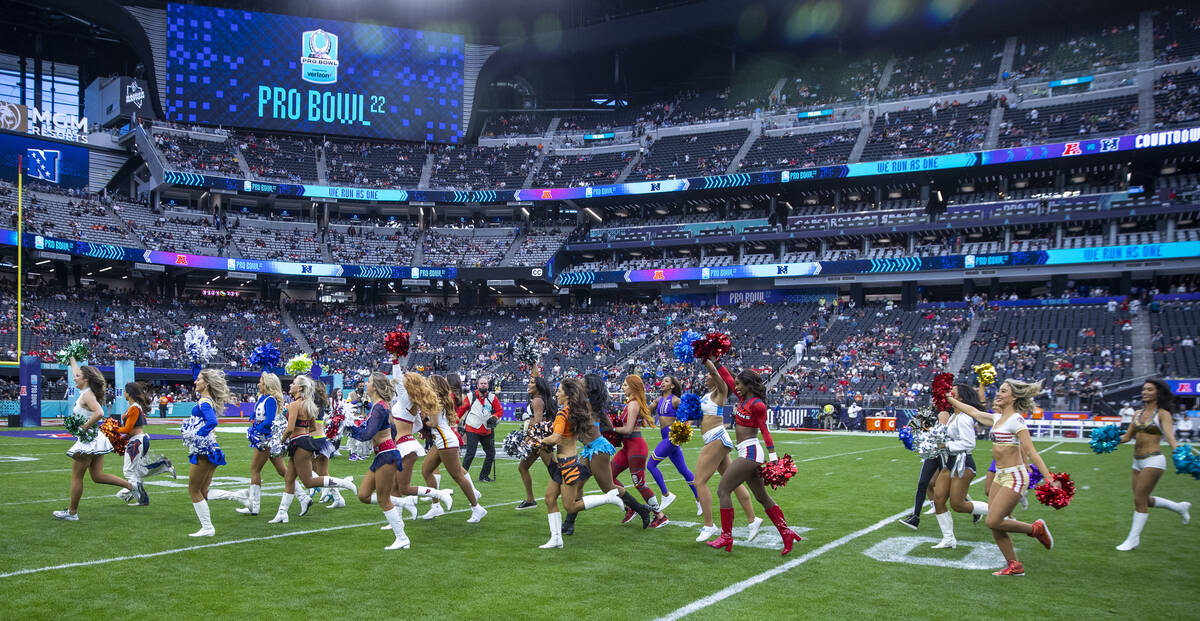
[[129, 561]]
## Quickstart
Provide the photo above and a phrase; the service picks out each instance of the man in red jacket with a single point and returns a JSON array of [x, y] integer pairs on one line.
[[480, 412]]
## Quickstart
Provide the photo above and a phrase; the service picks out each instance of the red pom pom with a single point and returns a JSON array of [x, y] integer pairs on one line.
[[1056, 497], [777, 473], [942, 384], [612, 436], [396, 344], [333, 427], [713, 345]]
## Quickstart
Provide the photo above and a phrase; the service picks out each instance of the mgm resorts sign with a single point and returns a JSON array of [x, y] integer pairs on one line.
[[58, 125]]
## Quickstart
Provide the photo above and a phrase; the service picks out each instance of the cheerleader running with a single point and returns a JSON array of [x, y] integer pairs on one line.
[[418, 399], [301, 446], [1011, 443], [749, 418], [597, 451], [138, 463], [446, 441], [199, 435], [929, 471], [89, 456], [1150, 426], [634, 452], [327, 450], [266, 437], [955, 478], [540, 402], [377, 486], [714, 455], [567, 474], [664, 410]]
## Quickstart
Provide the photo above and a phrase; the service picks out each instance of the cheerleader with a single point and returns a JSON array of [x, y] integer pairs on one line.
[[634, 452], [714, 456], [356, 414], [327, 450], [664, 411], [89, 456], [954, 479], [379, 482], [446, 441], [749, 418], [1149, 427], [301, 447], [138, 463], [420, 398], [199, 434], [1011, 444], [567, 475], [266, 437], [929, 472], [597, 451], [540, 402]]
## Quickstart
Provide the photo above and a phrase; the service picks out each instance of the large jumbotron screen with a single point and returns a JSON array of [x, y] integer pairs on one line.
[[261, 70]]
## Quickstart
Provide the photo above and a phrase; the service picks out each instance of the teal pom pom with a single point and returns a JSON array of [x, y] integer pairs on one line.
[[1105, 439]]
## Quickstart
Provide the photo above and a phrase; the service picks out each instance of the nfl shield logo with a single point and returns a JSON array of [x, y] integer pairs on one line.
[[43, 164], [319, 57]]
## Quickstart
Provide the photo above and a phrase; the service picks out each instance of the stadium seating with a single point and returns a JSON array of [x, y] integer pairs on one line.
[[575, 170], [190, 154], [482, 168], [949, 128], [1177, 99], [365, 245], [277, 241], [690, 156], [1176, 34], [374, 164], [466, 247], [539, 245], [802, 150], [1042, 124], [280, 158], [954, 69], [1052, 54]]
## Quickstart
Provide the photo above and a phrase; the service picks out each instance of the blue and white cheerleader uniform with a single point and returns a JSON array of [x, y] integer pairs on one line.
[[199, 434]]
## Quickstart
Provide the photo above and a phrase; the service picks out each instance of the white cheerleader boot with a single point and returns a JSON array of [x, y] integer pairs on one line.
[[206, 527], [946, 523], [708, 532], [1182, 508], [598, 500], [397, 525], [1135, 532], [255, 494], [346, 484], [666, 501], [338, 501], [281, 516], [556, 541], [753, 527], [477, 513], [434, 510]]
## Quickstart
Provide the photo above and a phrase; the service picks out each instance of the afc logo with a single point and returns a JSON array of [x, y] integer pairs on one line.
[[43, 164], [318, 57], [1184, 387], [1072, 148]]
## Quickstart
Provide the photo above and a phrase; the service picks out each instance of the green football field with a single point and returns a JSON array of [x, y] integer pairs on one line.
[[855, 560]]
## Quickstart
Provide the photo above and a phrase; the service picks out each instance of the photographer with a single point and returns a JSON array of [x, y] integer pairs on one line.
[[481, 412]]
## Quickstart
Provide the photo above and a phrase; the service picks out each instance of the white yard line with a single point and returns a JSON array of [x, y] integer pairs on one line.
[[218, 544]]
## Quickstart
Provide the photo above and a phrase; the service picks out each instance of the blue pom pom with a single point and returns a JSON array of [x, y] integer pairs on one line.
[[689, 408], [1186, 462], [1035, 476], [683, 349], [906, 437], [1105, 439], [266, 356]]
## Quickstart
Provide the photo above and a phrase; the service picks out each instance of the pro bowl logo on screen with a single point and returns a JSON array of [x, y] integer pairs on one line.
[[319, 57]]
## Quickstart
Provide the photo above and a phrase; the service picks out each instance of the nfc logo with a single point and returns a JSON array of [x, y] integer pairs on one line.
[[43, 164]]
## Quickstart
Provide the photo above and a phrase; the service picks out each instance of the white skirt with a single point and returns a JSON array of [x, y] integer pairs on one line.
[[99, 446]]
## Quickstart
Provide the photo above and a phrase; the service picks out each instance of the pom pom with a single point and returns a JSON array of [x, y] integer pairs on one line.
[[942, 384], [526, 350], [1035, 475], [1105, 439], [906, 437], [684, 349], [298, 365], [828, 408], [109, 429], [536, 433], [985, 373], [197, 345], [396, 344], [74, 422], [515, 445], [76, 349], [689, 408], [680, 433], [777, 473], [713, 345], [333, 426], [1056, 497], [612, 436], [265, 356], [1186, 462], [932, 443]]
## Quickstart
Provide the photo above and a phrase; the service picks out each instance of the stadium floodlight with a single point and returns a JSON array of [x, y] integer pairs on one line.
[[105, 269], [593, 214]]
